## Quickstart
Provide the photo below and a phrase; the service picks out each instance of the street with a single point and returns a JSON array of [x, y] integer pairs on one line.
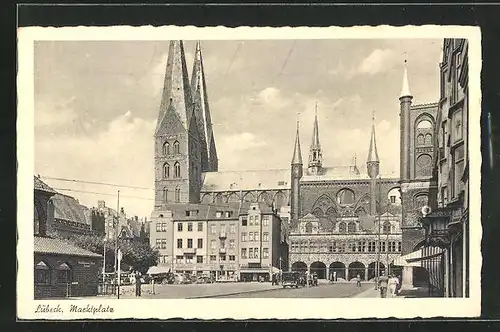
[[340, 290], [246, 290]]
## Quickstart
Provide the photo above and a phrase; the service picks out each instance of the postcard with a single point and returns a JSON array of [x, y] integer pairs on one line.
[[250, 172]]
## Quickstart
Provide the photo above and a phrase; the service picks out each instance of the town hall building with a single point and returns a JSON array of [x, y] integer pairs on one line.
[[340, 220]]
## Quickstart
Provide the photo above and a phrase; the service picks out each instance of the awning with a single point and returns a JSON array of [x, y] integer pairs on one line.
[[158, 270], [415, 258], [254, 271]]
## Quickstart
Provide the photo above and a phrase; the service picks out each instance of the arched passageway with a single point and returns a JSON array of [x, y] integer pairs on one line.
[[320, 269], [420, 276], [372, 270], [395, 270], [339, 268], [356, 268], [299, 267]]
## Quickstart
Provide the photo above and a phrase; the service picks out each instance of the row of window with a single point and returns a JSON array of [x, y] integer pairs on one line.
[[43, 274], [177, 170], [254, 253], [199, 226], [189, 243], [254, 236], [254, 221], [213, 244], [177, 195], [189, 259], [232, 228], [351, 227], [360, 246], [167, 150]]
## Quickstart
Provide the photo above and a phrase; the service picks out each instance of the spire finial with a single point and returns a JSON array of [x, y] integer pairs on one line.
[[297, 155], [373, 116], [316, 109], [405, 89]]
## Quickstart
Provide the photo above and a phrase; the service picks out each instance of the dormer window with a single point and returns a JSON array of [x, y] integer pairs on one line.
[[218, 214]]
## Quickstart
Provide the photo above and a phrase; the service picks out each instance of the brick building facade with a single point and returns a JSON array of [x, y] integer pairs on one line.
[[227, 242], [60, 269]]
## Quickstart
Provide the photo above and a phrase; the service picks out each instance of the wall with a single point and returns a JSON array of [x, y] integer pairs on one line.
[[167, 218], [85, 271]]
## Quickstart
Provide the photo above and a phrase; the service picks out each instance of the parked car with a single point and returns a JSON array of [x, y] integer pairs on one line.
[[292, 279]]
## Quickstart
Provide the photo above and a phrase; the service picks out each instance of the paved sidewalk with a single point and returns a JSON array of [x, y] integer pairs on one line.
[[371, 292], [190, 291]]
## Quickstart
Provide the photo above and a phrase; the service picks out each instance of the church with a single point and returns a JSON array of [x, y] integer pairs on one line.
[[334, 216]]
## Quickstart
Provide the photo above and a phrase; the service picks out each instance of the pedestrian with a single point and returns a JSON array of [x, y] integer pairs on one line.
[[400, 284], [382, 284], [358, 280], [273, 278], [137, 284], [392, 284]]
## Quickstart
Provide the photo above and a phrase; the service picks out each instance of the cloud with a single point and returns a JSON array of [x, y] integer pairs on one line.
[[55, 113], [122, 153], [376, 62]]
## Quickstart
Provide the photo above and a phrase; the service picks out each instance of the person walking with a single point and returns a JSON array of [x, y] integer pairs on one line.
[[382, 285], [392, 284], [358, 281], [137, 284]]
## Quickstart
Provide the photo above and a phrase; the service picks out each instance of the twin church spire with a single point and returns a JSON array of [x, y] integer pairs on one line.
[[185, 101]]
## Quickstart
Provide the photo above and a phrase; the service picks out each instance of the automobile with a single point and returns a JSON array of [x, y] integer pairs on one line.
[[204, 280], [291, 279]]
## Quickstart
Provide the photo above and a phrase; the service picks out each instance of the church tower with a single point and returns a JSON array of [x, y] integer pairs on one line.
[[373, 167], [297, 171], [315, 156], [209, 162], [417, 123], [177, 147], [405, 100]]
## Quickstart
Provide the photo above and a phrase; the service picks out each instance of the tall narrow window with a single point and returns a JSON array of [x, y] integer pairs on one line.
[[165, 195], [166, 170], [351, 227], [42, 274], [177, 149], [64, 274], [166, 148], [177, 170], [177, 194]]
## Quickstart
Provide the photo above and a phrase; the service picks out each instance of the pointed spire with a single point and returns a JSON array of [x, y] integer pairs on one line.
[[176, 90], [202, 111], [372, 153], [315, 139], [405, 89], [297, 155]]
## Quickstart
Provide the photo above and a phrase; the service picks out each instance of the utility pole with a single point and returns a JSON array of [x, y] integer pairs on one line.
[[117, 267], [378, 244]]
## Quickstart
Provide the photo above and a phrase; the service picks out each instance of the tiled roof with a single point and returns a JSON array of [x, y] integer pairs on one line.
[[42, 186], [247, 180], [335, 173], [47, 245], [67, 208]]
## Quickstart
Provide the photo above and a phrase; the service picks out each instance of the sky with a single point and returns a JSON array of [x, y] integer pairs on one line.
[[96, 105]]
